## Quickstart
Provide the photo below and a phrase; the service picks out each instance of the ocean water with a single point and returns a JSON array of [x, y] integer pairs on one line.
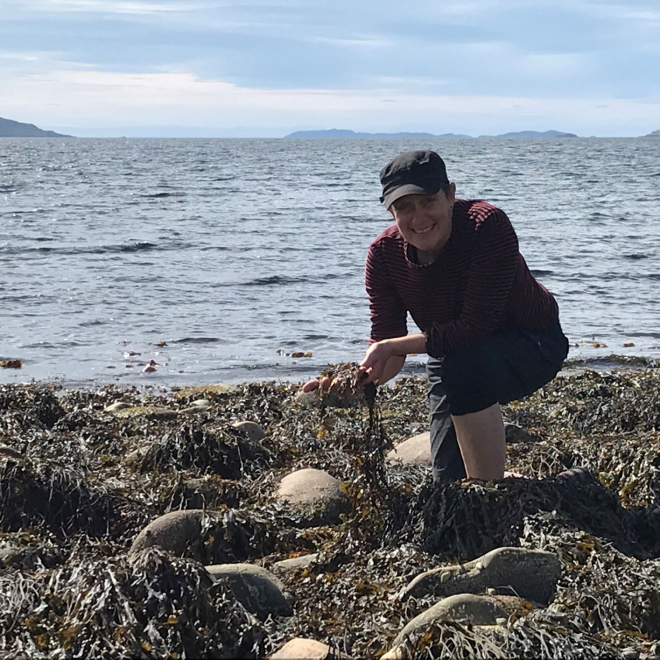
[[236, 253]]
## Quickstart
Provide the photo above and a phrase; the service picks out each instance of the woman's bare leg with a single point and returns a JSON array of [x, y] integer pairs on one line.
[[480, 437]]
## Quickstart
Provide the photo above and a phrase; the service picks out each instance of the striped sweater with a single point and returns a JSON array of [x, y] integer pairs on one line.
[[477, 284]]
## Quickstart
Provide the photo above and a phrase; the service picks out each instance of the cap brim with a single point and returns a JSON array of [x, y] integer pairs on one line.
[[408, 189]]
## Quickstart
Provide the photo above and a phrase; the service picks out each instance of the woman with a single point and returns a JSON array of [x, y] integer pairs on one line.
[[490, 329]]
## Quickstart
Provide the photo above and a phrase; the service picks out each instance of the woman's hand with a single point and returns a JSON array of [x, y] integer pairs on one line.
[[375, 361]]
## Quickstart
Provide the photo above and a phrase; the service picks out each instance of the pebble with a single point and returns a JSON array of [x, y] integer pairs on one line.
[[530, 574], [251, 429], [256, 588], [174, 531], [413, 451], [314, 495], [307, 649]]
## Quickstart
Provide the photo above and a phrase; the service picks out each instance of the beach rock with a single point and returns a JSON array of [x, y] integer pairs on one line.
[[314, 495], [530, 574], [461, 608], [117, 406], [251, 429], [174, 531], [206, 391], [10, 453], [258, 590], [514, 433], [307, 649], [294, 564], [413, 451], [150, 412]]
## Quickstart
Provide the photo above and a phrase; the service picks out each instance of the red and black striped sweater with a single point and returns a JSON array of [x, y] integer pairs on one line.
[[477, 284]]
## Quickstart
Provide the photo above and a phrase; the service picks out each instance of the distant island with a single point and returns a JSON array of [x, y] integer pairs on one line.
[[342, 133], [11, 128], [654, 134], [346, 134], [532, 134]]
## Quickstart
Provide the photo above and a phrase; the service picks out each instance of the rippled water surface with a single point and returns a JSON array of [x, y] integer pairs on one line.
[[230, 250]]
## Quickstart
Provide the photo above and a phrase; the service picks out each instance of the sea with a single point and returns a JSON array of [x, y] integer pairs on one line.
[[163, 262]]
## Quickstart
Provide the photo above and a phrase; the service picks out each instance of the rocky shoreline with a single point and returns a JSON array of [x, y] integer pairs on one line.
[[244, 521]]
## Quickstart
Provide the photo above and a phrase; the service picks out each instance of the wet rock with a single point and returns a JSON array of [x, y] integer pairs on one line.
[[201, 403], [258, 590], [28, 557], [413, 451], [9, 452], [207, 390], [295, 563], [251, 429], [307, 649], [174, 531], [314, 495], [461, 608], [530, 574], [514, 433]]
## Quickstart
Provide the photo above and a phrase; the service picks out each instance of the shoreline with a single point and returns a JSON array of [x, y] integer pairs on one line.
[[82, 481]]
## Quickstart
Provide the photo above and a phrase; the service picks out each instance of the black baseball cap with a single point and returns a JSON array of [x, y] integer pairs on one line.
[[412, 173]]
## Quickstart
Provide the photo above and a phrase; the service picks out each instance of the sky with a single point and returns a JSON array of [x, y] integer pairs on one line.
[[264, 68]]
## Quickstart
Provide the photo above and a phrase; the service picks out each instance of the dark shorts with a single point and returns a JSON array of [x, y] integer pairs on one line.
[[509, 365]]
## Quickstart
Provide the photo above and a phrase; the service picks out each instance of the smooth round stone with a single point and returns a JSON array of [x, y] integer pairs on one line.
[[461, 608], [256, 588], [306, 649], [251, 429], [174, 531], [294, 564], [314, 494], [413, 451]]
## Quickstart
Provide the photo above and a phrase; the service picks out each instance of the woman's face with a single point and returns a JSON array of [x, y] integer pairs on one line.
[[425, 220]]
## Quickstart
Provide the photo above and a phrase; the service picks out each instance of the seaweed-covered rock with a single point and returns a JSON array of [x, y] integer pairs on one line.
[[251, 429], [175, 532], [530, 574], [313, 494], [415, 450], [460, 608], [256, 588]]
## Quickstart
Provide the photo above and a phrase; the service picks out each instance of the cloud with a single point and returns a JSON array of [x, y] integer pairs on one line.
[[103, 6], [97, 98]]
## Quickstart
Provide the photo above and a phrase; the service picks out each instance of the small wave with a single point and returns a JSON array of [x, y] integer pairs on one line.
[[275, 279], [196, 340], [635, 256], [123, 248], [160, 195], [610, 361], [540, 272]]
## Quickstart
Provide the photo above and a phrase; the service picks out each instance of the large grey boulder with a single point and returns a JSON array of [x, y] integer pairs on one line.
[[174, 531], [256, 588], [314, 495], [530, 574], [461, 608], [413, 451], [307, 649]]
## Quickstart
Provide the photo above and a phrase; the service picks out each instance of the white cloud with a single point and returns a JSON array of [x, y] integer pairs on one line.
[[104, 6], [87, 98]]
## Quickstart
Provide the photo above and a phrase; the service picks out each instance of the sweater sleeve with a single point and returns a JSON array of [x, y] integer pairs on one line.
[[491, 273], [387, 311]]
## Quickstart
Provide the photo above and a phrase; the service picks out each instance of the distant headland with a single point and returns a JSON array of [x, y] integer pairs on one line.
[[11, 128], [346, 134], [654, 134]]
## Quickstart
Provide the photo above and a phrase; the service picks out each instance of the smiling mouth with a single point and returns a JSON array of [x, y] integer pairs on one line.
[[426, 230]]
